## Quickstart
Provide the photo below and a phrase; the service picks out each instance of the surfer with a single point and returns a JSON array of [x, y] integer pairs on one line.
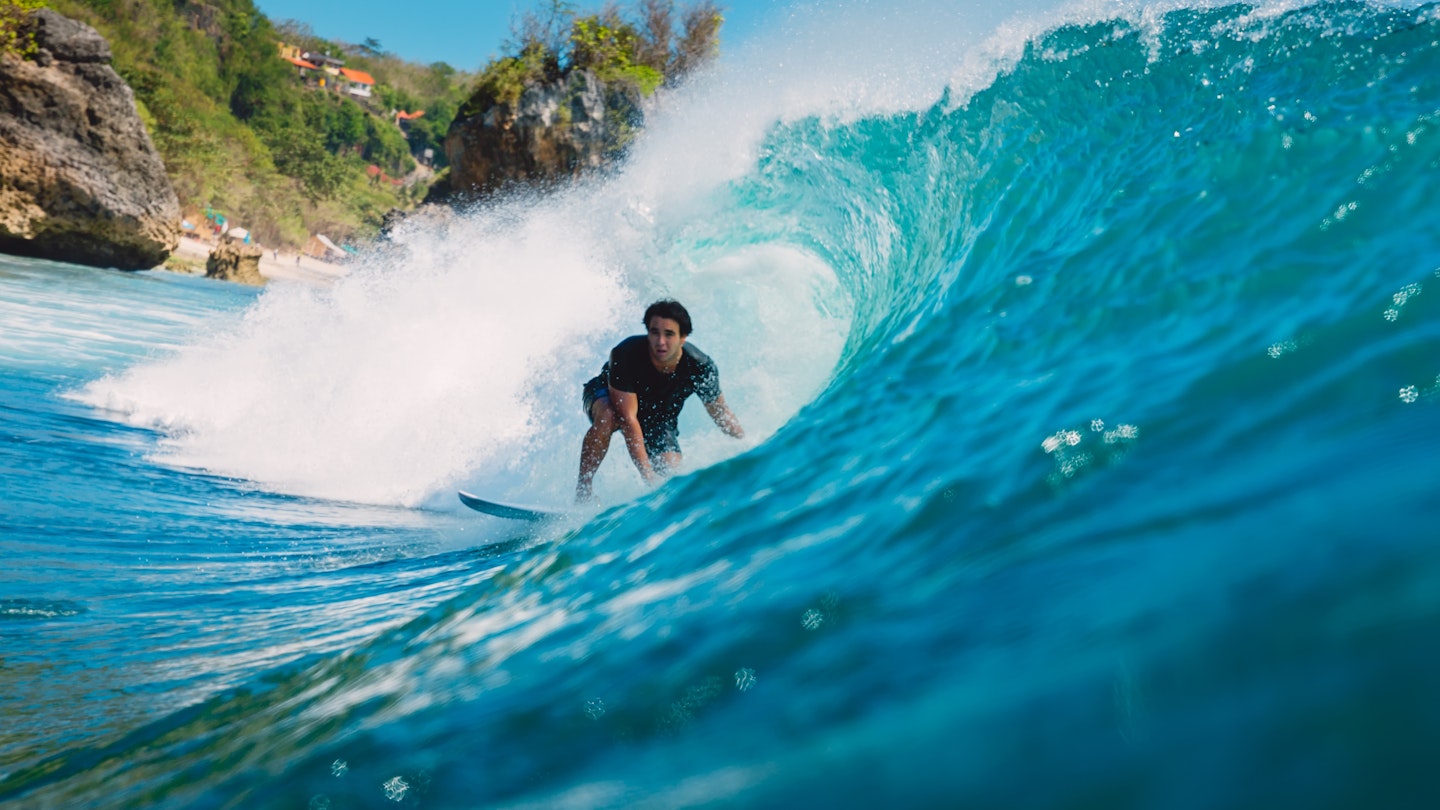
[[640, 392]]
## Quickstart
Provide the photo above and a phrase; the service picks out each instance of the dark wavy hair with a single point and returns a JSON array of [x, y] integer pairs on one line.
[[671, 309]]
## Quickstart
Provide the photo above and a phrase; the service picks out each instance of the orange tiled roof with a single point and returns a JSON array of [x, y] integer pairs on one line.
[[408, 116], [358, 76], [299, 62]]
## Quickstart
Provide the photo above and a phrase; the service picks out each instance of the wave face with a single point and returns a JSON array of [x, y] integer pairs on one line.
[[1090, 372]]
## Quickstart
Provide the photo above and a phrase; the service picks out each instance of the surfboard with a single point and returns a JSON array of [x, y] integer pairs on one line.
[[506, 510]]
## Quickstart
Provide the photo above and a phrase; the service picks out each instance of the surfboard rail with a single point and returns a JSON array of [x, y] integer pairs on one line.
[[506, 510]]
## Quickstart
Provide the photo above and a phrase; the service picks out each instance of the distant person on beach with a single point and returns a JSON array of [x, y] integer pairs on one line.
[[297, 259], [640, 391]]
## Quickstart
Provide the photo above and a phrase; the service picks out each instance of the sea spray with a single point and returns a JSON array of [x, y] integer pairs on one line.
[[459, 358]]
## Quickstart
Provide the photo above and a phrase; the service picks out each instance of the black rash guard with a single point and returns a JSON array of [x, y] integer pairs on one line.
[[661, 396]]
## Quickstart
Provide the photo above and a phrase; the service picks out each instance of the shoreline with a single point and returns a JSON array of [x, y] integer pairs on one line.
[[289, 267]]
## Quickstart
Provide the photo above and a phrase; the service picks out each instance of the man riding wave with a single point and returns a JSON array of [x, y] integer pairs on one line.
[[640, 392]]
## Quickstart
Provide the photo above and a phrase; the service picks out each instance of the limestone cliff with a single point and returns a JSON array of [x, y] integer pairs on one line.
[[80, 180], [553, 132]]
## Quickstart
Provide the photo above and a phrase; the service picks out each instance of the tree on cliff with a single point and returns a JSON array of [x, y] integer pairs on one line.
[[646, 51], [12, 16], [570, 96]]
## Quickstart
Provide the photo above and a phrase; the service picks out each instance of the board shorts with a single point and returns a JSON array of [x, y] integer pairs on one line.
[[594, 389], [664, 439]]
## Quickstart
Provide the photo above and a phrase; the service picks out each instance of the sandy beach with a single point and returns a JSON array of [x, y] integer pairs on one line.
[[289, 267]]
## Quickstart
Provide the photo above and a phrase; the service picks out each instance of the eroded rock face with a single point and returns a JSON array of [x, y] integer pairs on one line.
[[555, 132], [233, 261], [80, 180]]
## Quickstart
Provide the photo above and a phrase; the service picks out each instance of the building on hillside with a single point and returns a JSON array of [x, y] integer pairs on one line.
[[329, 64], [306, 68], [291, 54], [312, 64], [356, 82], [403, 119]]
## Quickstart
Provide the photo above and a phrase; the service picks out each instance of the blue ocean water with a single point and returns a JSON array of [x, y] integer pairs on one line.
[[1090, 362]]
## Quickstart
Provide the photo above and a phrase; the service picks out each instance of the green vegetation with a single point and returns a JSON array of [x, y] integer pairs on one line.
[[641, 53], [12, 13], [239, 130], [438, 89], [243, 132]]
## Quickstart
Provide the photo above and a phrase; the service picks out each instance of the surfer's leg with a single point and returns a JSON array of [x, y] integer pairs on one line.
[[595, 445], [667, 463], [663, 445]]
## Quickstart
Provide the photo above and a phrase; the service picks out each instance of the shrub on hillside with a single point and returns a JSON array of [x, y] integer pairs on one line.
[[642, 53], [12, 19]]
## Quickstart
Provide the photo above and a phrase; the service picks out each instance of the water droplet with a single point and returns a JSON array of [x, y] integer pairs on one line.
[[1408, 394], [396, 788], [1392, 314], [595, 708], [1074, 465], [812, 619], [1097, 425], [1122, 433], [745, 679], [339, 767]]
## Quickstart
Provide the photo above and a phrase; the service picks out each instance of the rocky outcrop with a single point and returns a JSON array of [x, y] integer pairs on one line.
[[554, 132], [80, 180], [233, 261]]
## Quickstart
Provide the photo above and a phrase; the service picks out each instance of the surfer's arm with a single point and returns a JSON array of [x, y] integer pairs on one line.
[[627, 410], [724, 417]]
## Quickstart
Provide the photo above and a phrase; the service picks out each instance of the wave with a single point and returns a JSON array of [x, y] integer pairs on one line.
[[873, 190], [1083, 361]]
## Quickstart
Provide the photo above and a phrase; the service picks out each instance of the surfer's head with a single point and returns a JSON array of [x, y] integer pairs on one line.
[[671, 309], [666, 325]]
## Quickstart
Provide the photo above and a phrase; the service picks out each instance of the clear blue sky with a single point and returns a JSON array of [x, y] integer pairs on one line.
[[464, 33]]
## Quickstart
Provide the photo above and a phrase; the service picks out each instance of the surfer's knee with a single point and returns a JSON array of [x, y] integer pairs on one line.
[[602, 416]]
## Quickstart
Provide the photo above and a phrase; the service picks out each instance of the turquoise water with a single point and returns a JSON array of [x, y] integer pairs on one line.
[[1090, 368]]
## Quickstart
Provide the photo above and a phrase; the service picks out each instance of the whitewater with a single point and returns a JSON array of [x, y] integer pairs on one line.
[[1089, 358]]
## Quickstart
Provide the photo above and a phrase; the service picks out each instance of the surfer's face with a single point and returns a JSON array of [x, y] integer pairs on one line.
[[665, 341]]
